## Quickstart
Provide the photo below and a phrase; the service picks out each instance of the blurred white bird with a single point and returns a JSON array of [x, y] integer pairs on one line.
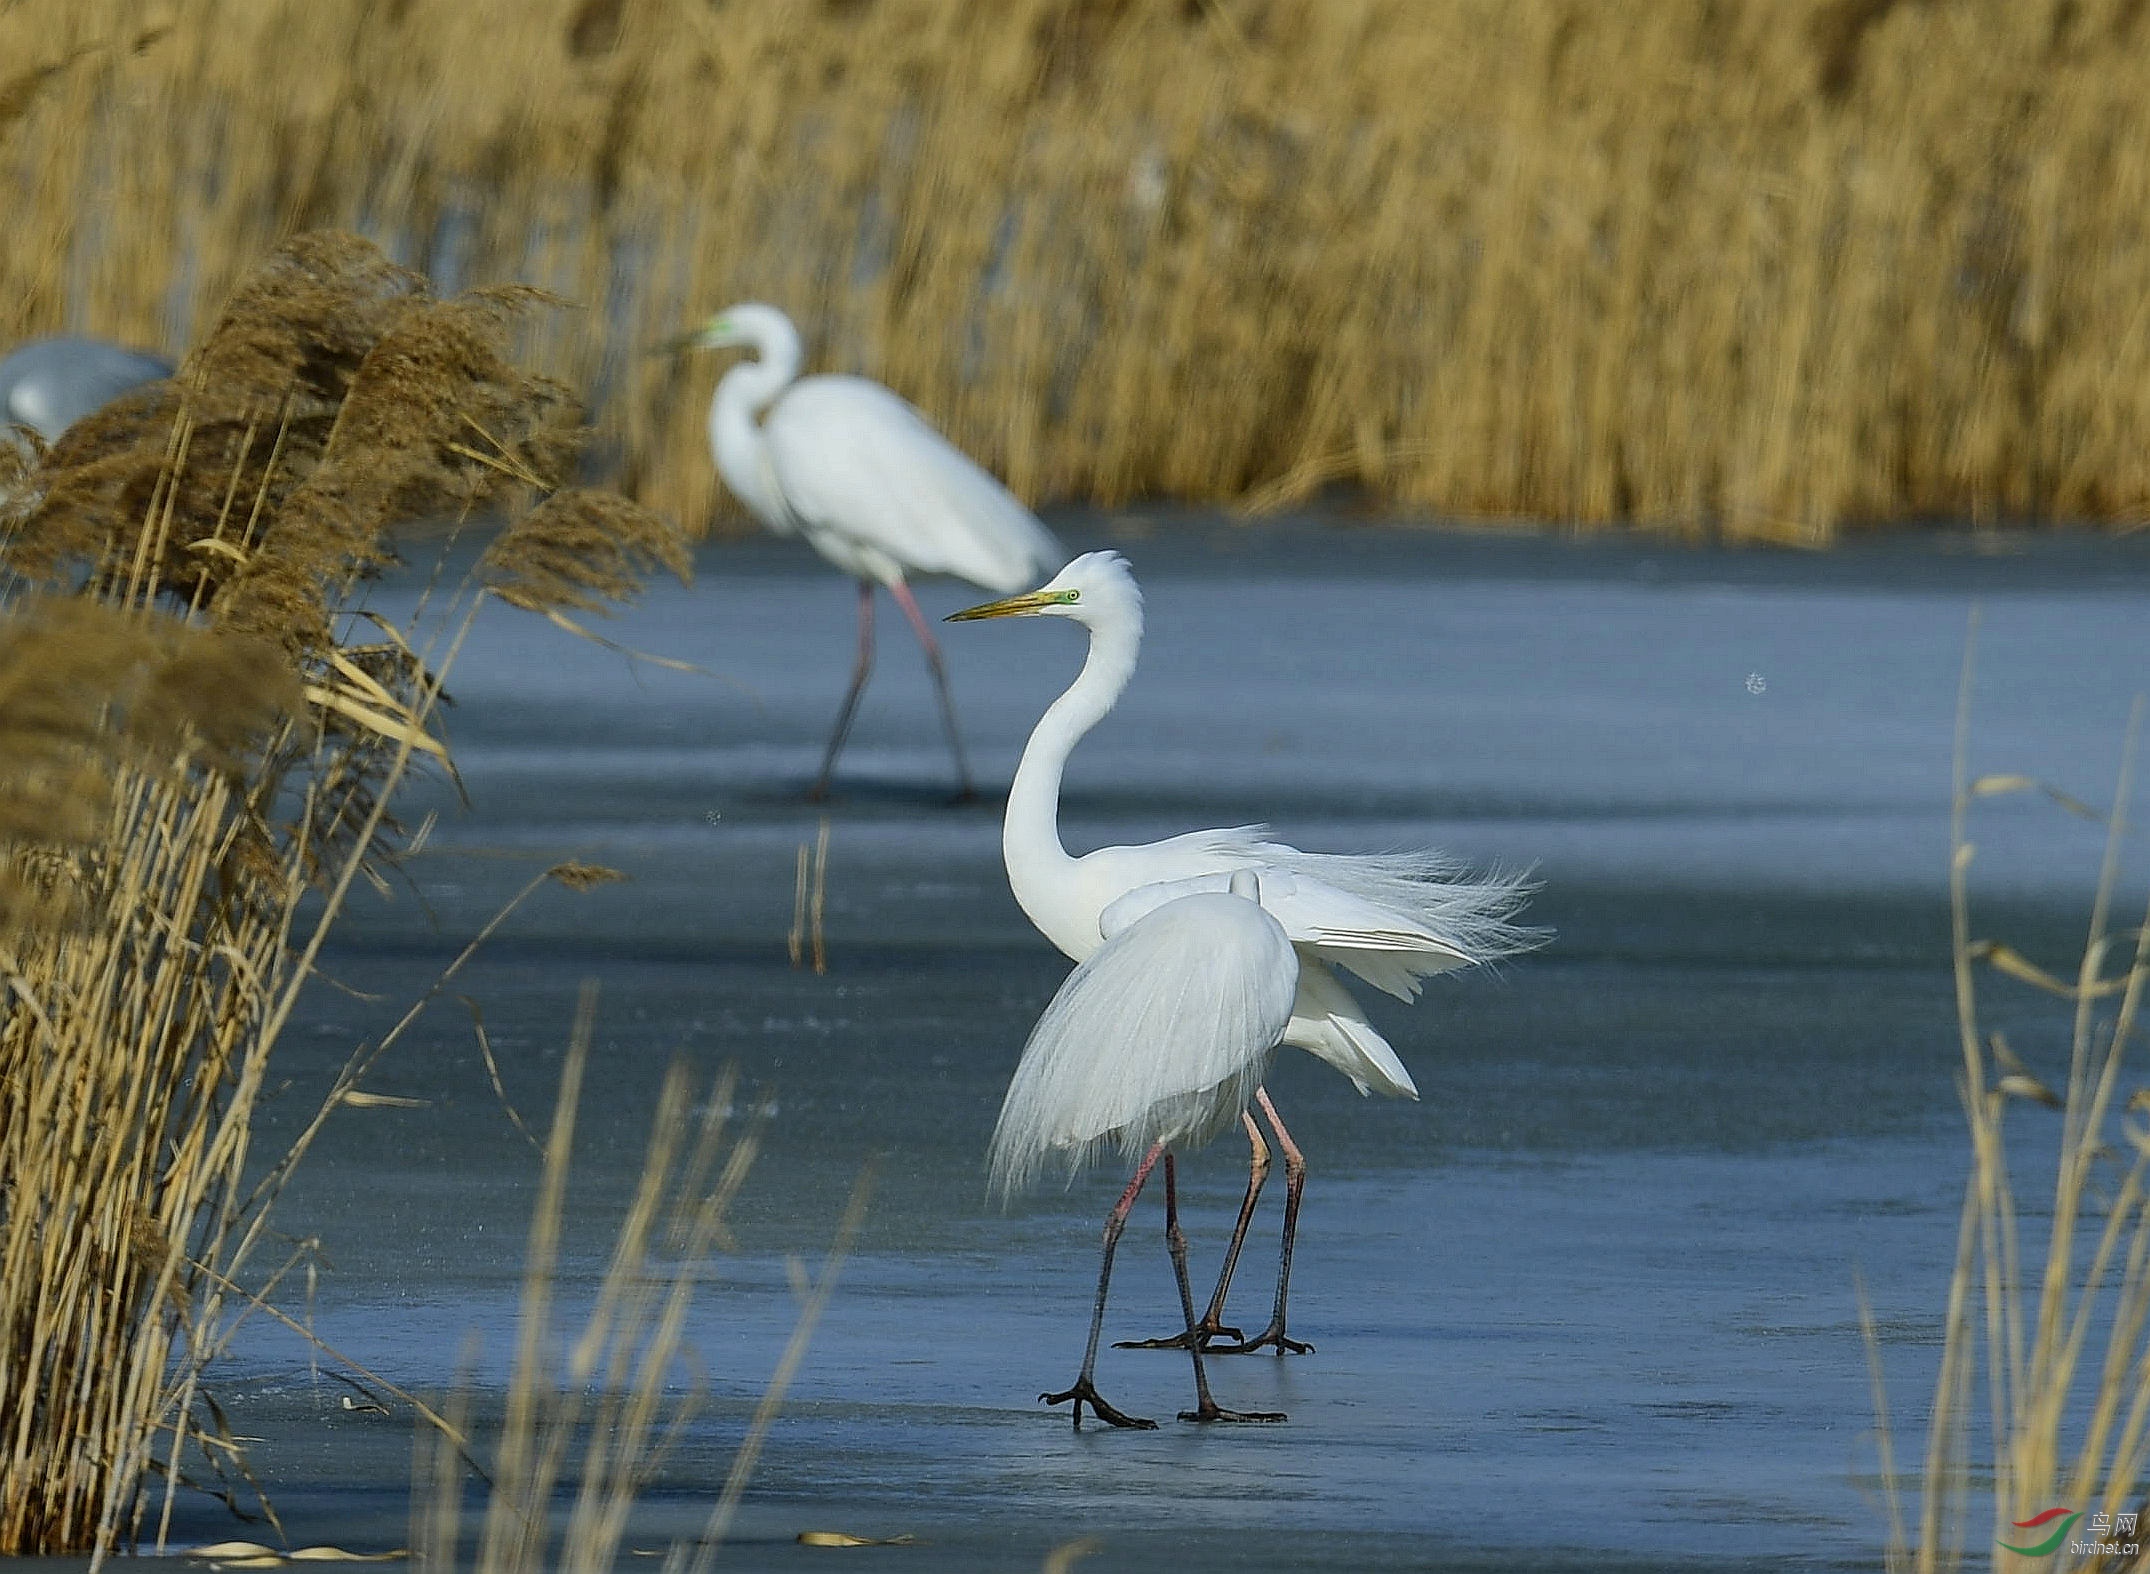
[[1389, 918], [873, 488], [50, 384], [1155, 1042]]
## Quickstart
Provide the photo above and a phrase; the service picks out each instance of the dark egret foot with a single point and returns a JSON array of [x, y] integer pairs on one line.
[[1270, 1338], [1207, 1332], [1085, 1393], [1212, 1411]]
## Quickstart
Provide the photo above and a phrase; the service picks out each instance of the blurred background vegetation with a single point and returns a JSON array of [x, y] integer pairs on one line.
[[1757, 269]]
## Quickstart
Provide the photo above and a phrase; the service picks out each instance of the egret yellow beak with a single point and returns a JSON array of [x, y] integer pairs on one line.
[[1028, 602], [711, 335]]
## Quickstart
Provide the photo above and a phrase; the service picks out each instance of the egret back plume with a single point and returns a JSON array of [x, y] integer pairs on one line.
[[1475, 912], [1162, 1035]]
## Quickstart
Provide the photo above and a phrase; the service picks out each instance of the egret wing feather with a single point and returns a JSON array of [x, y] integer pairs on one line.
[[1390, 918], [1328, 1024], [1162, 1035], [855, 460]]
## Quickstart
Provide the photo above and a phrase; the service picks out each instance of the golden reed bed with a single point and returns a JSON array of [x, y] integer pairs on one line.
[[1759, 267]]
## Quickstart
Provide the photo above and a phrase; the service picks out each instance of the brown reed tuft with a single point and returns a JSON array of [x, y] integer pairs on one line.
[[86, 690], [187, 748], [582, 549]]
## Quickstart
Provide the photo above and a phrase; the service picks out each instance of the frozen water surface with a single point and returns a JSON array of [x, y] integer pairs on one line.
[[1589, 1305]]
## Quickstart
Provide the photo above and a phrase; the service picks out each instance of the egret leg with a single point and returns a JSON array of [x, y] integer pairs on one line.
[[1085, 1390], [1274, 1337], [931, 646], [1206, 1408], [859, 674], [1212, 1326]]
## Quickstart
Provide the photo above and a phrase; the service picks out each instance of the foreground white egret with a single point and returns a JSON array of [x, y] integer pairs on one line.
[[1155, 1042], [857, 471], [1389, 918], [50, 384]]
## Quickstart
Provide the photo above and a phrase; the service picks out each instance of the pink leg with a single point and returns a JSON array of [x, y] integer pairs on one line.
[[1085, 1391], [859, 675], [1212, 1325], [902, 593], [1206, 1408], [1294, 1184]]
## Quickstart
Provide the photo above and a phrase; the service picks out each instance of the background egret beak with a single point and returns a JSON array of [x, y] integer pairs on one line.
[[679, 342], [1012, 607]]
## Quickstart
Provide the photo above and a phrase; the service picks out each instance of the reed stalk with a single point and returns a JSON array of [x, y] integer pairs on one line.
[[2048, 1315], [591, 1416]]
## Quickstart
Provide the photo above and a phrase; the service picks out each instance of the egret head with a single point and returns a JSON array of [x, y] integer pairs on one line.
[[749, 323], [1096, 587]]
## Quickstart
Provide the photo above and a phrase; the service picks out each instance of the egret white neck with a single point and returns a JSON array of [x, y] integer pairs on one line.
[[1040, 872], [735, 434]]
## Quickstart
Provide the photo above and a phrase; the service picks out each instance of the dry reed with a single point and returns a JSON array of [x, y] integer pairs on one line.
[[585, 1430], [1757, 267], [189, 745], [2056, 1333]]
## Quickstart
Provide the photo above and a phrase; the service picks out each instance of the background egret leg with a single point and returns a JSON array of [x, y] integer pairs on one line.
[[859, 675], [1294, 1183], [902, 593], [1206, 1408], [1085, 1391], [1212, 1326]]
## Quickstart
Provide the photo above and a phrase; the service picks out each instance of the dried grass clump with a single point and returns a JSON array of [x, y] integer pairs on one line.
[[334, 400], [89, 695], [582, 549], [191, 740], [593, 1412]]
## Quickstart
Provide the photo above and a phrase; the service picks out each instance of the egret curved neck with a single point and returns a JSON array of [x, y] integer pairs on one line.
[[1040, 872], [735, 435]]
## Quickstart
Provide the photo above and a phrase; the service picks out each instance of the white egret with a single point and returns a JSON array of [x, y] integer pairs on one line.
[[872, 487], [1389, 918], [50, 384], [1155, 1042]]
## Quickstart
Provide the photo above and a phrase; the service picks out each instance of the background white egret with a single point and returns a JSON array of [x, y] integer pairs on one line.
[[1389, 918], [870, 485], [49, 384], [1155, 1042]]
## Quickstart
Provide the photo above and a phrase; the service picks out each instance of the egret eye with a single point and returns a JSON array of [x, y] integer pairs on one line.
[[1067, 598]]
